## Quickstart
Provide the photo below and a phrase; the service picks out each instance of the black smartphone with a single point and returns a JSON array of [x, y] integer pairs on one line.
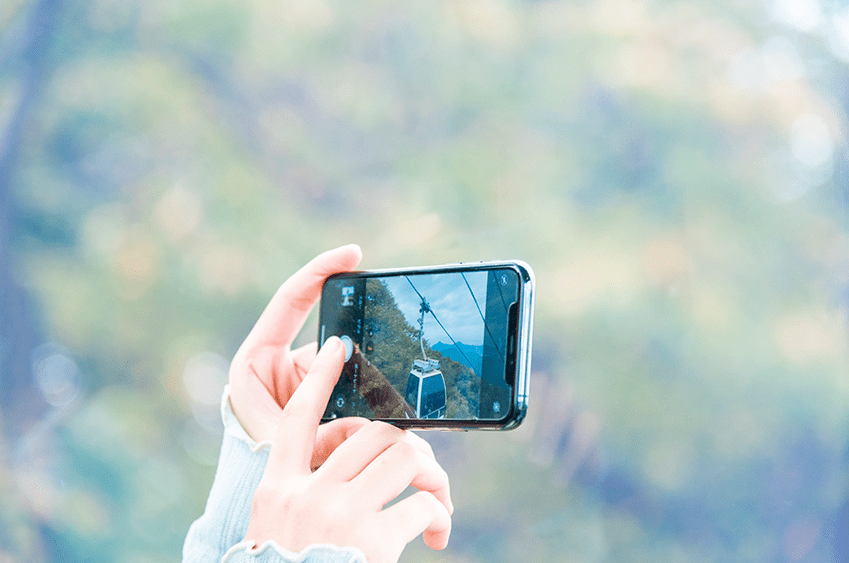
[[442, 347]]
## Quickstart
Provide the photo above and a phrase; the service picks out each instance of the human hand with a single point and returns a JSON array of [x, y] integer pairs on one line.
[[342, 502], [265, 371]]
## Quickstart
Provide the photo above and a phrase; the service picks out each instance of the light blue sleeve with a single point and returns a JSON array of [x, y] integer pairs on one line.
[[218, 535]]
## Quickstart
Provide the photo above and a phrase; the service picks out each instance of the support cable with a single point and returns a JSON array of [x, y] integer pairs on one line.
[[440, 324]]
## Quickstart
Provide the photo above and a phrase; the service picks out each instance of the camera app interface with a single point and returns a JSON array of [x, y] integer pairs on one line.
[[427, 346]]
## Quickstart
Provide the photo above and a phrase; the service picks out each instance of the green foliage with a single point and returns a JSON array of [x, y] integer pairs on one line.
[[392, 345], [674, 171], [388, 340]]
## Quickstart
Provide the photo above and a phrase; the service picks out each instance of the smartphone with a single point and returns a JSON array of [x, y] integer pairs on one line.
[[441, 347]]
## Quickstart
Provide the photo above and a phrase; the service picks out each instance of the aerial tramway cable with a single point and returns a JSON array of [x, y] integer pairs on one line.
[[440, 324], [426, 392], [485, 324]]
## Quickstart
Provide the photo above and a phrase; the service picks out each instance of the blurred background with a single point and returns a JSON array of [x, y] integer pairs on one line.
[[675, 172]]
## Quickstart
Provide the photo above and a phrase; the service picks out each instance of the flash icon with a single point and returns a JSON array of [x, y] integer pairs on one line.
[[347, 293]]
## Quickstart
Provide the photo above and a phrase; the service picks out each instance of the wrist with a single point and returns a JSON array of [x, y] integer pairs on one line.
[[235, 426]]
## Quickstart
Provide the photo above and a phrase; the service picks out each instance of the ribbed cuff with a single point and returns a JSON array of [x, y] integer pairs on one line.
[[270, 552]]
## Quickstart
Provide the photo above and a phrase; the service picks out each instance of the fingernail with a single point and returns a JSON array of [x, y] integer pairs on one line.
[[332, 344]]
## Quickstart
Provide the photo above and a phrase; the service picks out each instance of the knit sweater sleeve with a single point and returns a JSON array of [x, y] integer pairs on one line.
[[218, 535]]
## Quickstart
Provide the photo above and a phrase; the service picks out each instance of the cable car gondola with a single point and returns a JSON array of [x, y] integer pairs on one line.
[[426, 384], [426, 389]]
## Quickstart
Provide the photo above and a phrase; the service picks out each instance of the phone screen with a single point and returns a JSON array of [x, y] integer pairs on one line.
[[438, 345]]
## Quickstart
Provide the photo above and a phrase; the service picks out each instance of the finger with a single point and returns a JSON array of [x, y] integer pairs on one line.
[[303, 357], [420, 513], [295, 437], [288, 309], [419, 443], [399, 466], [290, 371], [331, 435], [356, 453]]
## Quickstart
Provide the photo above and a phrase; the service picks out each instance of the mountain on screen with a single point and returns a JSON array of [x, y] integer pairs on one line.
[[466, 354]]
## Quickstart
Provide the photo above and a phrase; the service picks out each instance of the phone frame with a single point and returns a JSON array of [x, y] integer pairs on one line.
[[523, 345]]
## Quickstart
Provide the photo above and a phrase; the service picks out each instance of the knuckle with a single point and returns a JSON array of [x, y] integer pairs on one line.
[[294, 410], [381, 432], [404, 450], [383, 429]]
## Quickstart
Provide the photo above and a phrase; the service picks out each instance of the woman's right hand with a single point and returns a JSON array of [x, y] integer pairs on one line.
[[342, 502]]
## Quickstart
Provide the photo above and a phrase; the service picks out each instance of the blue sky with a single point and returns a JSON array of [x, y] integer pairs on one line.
[[449, 299]]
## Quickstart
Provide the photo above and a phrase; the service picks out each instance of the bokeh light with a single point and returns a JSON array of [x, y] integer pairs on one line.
[[56, 374]]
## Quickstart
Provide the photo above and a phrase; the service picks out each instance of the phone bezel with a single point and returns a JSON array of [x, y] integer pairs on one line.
[[524, 342]]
